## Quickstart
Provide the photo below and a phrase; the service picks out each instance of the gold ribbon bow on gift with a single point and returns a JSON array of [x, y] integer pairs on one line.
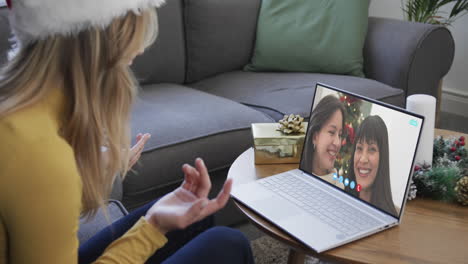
[[291, 124]]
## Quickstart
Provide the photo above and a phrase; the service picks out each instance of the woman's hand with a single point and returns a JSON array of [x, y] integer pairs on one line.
[[135, 151], [189, 203]]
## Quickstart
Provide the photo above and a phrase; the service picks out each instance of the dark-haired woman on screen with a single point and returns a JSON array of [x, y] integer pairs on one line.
[[324, 139], [369, 165]]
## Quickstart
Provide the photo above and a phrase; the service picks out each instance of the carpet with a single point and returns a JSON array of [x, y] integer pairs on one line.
[[267, 250]]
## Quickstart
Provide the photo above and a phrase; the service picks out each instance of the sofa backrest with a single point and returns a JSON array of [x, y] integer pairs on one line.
[[4, 35], [220, 35], [162, 62], [165, 60], [197, 39]]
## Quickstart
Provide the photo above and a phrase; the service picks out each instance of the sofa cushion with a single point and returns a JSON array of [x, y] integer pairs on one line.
[[311, 36], [185, 124], [286, 93], [220, 35], [164, 61]]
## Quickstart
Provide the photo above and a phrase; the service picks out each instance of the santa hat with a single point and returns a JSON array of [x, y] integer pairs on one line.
[[38, 19]]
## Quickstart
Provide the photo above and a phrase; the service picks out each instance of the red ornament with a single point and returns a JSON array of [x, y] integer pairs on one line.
[[457, 158], [350, 131], [462, 138], [352, 99], [453, 149], [8, 2], [416, 168], [343, 98], [456, 142], [462, 143]]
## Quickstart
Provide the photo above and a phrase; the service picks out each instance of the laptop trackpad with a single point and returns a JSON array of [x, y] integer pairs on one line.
[[275, 208]]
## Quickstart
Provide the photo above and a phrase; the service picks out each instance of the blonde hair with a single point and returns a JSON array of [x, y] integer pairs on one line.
[[92, 70]]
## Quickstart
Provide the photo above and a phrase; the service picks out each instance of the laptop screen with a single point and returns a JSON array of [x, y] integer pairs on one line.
[[364, 147]]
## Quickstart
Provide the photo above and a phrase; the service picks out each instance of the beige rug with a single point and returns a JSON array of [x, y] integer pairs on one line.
[[267, 250]]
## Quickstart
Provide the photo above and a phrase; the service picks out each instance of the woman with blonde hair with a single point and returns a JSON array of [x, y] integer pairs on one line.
[[65, 93]]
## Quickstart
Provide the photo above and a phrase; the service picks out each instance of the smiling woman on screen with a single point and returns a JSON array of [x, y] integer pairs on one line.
[[324, 139], [369, 164]]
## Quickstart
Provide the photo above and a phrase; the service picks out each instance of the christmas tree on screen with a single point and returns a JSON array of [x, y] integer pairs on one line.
[[353, 118]]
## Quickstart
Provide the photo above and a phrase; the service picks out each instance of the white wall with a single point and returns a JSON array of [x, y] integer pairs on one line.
[[2, 3], [386, 8], [455, 83]]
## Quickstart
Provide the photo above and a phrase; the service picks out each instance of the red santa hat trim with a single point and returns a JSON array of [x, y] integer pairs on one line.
[[38, 19]]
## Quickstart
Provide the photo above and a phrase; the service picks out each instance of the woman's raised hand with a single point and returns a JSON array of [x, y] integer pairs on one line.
[[189, 203], [135, 151]]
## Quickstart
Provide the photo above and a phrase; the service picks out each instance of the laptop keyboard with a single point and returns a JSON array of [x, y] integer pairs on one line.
[[319, 203]]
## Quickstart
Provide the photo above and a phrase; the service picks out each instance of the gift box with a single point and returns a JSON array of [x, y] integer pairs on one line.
[[272, 146]]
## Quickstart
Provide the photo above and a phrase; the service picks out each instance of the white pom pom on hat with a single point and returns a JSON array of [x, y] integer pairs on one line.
[[38, 19]]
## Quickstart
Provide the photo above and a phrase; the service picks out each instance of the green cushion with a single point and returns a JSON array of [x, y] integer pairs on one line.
[[322, 36]]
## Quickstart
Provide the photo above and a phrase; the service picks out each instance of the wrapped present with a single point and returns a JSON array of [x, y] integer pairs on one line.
[[273, 146]]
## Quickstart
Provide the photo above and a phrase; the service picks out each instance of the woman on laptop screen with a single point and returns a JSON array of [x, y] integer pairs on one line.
[[324, 140], [369, 165]]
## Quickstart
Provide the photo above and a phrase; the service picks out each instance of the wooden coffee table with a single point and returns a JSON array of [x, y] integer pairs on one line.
[[430, 232]]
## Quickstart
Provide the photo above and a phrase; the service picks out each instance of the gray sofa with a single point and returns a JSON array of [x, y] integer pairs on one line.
[[196, 101]]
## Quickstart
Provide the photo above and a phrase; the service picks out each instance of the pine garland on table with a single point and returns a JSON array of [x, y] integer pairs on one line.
[[447, 178]]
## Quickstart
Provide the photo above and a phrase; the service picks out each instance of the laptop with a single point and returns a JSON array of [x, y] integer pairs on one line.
[[353, 184]]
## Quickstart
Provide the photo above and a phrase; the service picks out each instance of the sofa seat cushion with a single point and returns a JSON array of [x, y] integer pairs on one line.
[[286, 93], [185, 124]]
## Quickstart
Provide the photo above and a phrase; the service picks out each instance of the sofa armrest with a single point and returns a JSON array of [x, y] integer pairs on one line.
[[411, 56]]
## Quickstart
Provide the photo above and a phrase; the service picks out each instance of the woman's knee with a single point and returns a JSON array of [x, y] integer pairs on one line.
[[215, 245], [228, 238]]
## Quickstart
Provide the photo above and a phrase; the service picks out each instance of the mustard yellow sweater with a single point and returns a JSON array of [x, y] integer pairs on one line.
[[40, 195]]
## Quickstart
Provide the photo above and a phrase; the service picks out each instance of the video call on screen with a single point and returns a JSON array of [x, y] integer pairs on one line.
[[361, 147]]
